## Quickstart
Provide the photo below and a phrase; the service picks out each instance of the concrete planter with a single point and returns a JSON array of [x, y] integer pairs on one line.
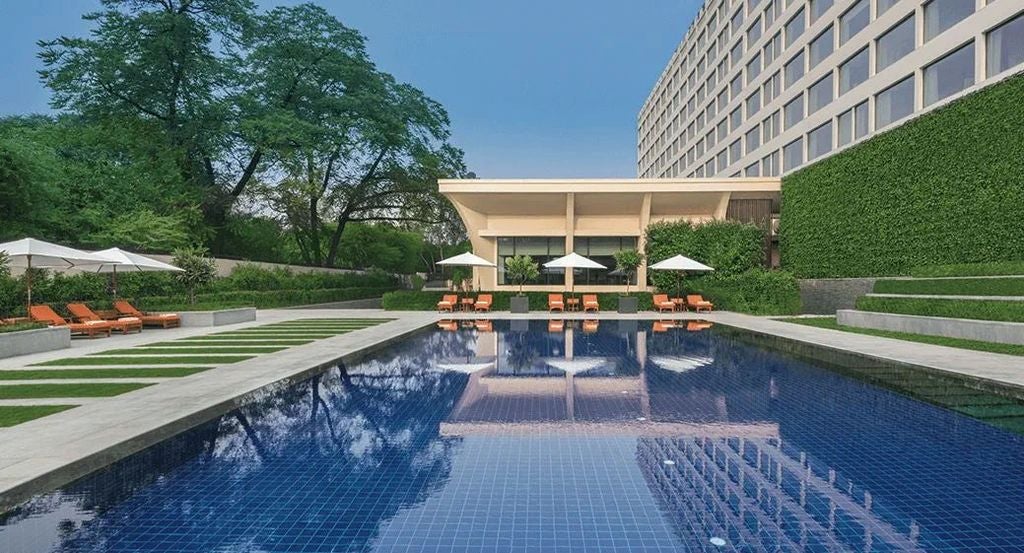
[[520, 304], [218, 318], [628, 304], [968, 329], [34, 341]]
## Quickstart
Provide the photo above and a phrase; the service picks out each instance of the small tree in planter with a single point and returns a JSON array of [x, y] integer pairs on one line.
[[628, 261], [519, 270], [197, 270]]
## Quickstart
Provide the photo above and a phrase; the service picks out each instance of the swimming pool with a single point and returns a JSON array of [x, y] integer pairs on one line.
[[559, 436]]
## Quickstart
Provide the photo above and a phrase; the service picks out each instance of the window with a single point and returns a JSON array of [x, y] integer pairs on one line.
[[753, 103], [1005, 46], [771, 13], [794, 69], [736, 53], [860, 120], [818, 8], [853, 71], [700, 94], [735, 150], [753, 67], [822, 46], [754, 32], [723, 129], [723, 98], [751, 170], [820, 94], [894, 103], [884, 5], [793, 154], [753, 138], [772, 48], [794, 111], [710, 111], [772, 87], [895, 44], [737, 20], [541, 248], [736, 86], [602, 250], [770, 126], [712, 80], [845, 128], [700, 147], [819, 141], [949, 75], [794, 28], [710, 139], [940, 15], [723, 159], [770, 165], [736, 118], [854, 20]]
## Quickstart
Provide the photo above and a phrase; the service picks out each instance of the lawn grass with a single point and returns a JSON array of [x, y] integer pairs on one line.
[[11, 415], [992, 268], [953, 286], [988, 310], [131, 360], [229, 342], [28, 391], [18, 327], [287, 335], [830, 323], [150, 372], [198, 350]]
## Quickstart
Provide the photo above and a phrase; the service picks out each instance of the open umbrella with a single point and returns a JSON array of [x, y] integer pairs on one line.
[[31, 253], [681, 265], [120, 261], [466, 260], [573, 261]]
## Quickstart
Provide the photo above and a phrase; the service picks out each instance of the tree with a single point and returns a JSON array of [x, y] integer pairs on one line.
[[628, 261], [520, 269], [197, 270]]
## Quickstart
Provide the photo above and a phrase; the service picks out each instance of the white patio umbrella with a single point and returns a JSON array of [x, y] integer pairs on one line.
[[466, 260], [681, 265], [31, 253], [573, 261], [120, 261]]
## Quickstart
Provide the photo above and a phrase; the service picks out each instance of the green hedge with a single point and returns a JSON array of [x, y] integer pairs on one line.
[[427, 301], [757, 292], [994, 268], [260, 299], [20, 326], [946, 188], [728, 246], [953, 286], [989, 310]]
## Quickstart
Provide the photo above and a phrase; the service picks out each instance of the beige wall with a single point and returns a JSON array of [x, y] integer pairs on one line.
[[570, 208]]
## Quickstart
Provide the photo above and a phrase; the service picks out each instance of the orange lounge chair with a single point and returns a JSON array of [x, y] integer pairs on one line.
[[483, 302], [590, 303], [163, 320], [662, 303], [447, 302], [44, 314], [556, 302], [83, 314], [698, 303]]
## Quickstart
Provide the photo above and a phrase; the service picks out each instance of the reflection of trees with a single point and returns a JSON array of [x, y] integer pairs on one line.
[[306, 458]]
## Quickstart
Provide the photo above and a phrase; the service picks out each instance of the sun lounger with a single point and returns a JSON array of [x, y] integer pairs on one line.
[[483, 302], [163, 320], [83, 314], [590, 303], [447, 302], [662, 303], [556, 302], [698, 303], [44, 314]]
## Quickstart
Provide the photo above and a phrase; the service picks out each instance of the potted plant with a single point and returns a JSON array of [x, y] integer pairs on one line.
[[627, 262], [518, 270]]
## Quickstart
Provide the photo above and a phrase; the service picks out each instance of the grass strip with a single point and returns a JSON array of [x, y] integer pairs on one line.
[[11, 415], [178, 360], [953, 286], [199, 350], [987, 310], [286, 335], [992, 268], [976, 345], [30, 391], [231, 342], [150, 372]]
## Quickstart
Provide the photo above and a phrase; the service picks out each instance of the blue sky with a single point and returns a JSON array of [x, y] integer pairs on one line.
[[535, 88]]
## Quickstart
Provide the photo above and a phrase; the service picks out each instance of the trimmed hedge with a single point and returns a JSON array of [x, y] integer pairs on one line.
[[994, 268], [945, 188], [427, 301], [953, 286], [987, 310], [18, 327], [730, 247], [261, 300]]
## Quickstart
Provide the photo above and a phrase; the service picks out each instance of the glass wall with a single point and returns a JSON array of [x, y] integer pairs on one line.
[[949, 75], [541, 248], [1005, 46], [601, 250]]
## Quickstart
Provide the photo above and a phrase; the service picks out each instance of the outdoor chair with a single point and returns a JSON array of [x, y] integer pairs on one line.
[[447, 302], [483, 302], [556, 302], [44, 314], [83, 314], [163, 320], [698, 303], [662, 303], [590, 303]]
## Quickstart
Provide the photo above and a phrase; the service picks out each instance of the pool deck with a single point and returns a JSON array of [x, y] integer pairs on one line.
[[52, 451]]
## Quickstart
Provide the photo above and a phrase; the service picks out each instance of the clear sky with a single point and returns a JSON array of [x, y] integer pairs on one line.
[[534, 88]]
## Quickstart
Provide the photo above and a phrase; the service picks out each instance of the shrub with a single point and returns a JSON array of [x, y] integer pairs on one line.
[[197, 270], [20, 326], [757, 291], [730, 247], [627, 261], [945, 188], [265, 299], [953, 286], [993, 268], [521, 269], [989, 310]]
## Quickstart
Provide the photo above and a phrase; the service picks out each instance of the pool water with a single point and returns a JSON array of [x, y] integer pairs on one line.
[[537, 436]]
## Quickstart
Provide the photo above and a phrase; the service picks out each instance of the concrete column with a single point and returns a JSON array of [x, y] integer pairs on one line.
[[570, 233], [641, 243]]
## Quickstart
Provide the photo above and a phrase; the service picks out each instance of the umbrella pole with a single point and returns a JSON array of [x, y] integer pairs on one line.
[[114, 282], [28, 284]]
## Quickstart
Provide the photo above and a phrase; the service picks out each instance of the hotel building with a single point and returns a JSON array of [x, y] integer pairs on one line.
[[759, 88]]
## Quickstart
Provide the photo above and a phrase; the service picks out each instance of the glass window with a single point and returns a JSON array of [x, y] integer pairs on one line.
[[710, 138], [793, 154], [736, 53], [736, 118], [753, 103], [737, 20], [794, 28], [736, 86], [541, 248], [753, 138], [723, 129], [820, 94], [795, 69], [844, 126], [1005, 46], [894, 103], [772, 87], [819, 141], [853, 71], [895, 44], [940, 15], [751, 170], [860, 120], [710, 112], [854, 20], [754, 32], [884, 5], [822, 46], [735, 150], [794, 111], [770, 165], [770, 126], [723, 159], [723, 98], [772, 48], [949, 75], [818, 8], [754, 67], [771, 12], [601, 249], [700, 147]]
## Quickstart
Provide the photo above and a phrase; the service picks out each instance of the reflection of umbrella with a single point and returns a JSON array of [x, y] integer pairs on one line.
[[576, 365], [121, 261], [680, 363], [681, 265], [466, 368], [29, 253], [573, 261], [466, 260]]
